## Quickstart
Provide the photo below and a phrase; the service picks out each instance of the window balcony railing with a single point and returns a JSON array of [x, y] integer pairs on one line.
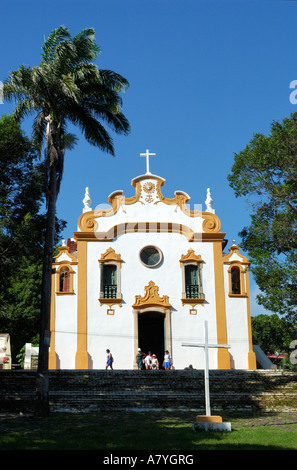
[[192, 291], [110, 291]]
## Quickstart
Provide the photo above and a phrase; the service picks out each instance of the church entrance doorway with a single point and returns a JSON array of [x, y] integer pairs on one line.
[[151, 334]]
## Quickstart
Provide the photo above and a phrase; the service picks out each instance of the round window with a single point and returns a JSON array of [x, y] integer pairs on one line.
[[150, 256]]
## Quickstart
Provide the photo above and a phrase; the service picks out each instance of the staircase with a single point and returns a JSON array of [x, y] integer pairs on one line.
[[93, 390]]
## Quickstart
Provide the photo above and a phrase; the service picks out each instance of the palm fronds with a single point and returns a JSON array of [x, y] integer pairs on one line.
[[68, 86]]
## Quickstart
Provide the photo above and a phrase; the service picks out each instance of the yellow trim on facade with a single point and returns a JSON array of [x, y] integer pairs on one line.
[[52, 355], [65, 250], [244, 274], [110, 302], [151, 298], [252, 362], [237, 265], [192, 301], [190, 256], [223, 354], [234, 249], [87, 220], [82, 357], [110, 255], [151, 301], [64, 264], [211, 226], [146, 227], [113, 258], [167, 329]]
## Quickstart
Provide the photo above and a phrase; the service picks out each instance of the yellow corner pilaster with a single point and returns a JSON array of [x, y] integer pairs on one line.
[[252, 362], [223, 354], [52, 356], [82, 357]]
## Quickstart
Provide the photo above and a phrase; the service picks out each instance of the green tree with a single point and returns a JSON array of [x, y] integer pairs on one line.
[[21, 234], [273, 333], [266, 172], [67, 87], [20, 191]]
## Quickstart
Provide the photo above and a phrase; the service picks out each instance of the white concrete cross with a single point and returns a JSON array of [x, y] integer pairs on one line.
[[147, 154], [205, 346]]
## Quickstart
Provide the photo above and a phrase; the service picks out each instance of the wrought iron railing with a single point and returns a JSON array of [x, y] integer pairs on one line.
[[110, 291], [192, 291]]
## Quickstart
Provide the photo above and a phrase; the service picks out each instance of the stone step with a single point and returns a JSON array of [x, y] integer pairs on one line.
[[120, 389]]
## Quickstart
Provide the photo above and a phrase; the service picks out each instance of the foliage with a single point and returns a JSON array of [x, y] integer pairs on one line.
[[66, 88], [20, 192], [272, 333], [21, 234], [266, 172]]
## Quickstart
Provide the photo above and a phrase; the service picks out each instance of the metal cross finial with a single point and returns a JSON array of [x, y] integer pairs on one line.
[[147, 154]]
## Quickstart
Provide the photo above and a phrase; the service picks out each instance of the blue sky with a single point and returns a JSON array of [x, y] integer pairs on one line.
[[204, 77]]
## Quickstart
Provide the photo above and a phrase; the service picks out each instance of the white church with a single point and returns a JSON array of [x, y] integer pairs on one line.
[[147, 273]]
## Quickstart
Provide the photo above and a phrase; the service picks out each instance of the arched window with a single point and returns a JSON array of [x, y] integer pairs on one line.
[[192, 281], [235, 281], [192, 290], [64, 281], [236, 276], [110, 281], [110, 278]]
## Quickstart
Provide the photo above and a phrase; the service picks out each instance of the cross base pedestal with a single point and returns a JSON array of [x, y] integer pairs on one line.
[[210, 423], [208, 419]]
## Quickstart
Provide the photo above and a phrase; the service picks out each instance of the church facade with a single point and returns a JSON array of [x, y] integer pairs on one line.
[[147, 273]]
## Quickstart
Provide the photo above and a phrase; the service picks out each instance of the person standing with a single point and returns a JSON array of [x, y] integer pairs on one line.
[[109, 359], [167, 363], [140, 359], [155, 362], [148, 361]]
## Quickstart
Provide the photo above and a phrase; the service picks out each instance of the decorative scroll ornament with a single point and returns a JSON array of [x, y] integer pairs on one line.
[[234, 250], [87, 221], [149, 188], [151, 298], [64, 250], [190, 256], [110, 255]]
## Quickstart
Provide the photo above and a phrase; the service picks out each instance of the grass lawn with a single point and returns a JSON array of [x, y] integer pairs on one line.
[[172, 431]]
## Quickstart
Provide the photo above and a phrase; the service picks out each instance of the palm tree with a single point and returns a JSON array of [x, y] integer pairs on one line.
[[66, 88]]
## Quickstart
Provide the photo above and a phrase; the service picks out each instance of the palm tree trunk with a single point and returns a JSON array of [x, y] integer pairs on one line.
[[42, 407]]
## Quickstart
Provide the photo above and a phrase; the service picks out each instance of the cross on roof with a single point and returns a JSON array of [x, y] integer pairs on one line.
[[147, 154]]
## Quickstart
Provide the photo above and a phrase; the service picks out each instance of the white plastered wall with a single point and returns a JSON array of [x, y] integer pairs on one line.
[[116, 332]]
